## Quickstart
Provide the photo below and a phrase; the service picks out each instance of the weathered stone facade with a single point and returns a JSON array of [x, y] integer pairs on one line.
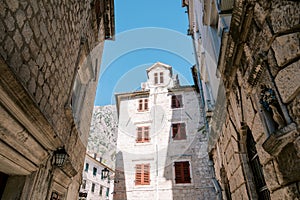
[[162, 150], [254, 134], [48, 49]]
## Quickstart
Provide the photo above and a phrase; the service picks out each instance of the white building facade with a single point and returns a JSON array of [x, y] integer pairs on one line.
[[95, 185], [161, 146]]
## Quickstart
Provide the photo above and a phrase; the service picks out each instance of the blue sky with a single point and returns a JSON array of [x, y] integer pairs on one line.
[[146, 32]]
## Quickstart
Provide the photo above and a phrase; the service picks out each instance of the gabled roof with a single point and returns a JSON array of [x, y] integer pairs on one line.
[[159, 64]]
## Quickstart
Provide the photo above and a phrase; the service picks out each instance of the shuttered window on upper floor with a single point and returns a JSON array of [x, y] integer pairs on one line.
[[142, 174], [182, 172], [143, 134], [176, 101], [143, 105], [178, 131]]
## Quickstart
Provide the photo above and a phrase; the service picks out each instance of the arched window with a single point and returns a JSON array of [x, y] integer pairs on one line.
[[259, 180]]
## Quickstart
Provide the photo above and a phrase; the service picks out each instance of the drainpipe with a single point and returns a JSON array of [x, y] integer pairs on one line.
[[215, 182]]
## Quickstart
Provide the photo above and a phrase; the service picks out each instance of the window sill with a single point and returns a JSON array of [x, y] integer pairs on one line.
[[280, 138], [142, 111], [176, 141], [142, 187], [177, 108], [143, 144], [183, 184]]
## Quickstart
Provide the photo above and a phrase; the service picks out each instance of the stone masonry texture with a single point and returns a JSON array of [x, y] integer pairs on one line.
[[41, 43], [262, 33]]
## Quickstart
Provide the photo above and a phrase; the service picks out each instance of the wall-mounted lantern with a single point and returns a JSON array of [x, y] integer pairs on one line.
[[104, 173], [60, 156]]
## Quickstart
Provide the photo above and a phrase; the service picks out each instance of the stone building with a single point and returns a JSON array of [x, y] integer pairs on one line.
[[97, 179], [161, 145], [254, 133], [49, 65]]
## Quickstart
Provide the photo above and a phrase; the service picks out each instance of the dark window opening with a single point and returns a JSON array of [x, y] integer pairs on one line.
[[182, 172], [86, 167], [94, 171], [178, 131], [176, 101], [259, 180], [93, 187]]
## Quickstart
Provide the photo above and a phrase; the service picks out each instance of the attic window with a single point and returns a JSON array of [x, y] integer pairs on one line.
[[158, 78]]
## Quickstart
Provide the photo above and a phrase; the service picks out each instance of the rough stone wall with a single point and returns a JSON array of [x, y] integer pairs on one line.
[[42, 43], [262, 50], [103, 134]]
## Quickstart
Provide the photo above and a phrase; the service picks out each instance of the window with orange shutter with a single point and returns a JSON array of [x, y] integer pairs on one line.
[[182, 172], [142, 174], [143, 134], [178, 131]]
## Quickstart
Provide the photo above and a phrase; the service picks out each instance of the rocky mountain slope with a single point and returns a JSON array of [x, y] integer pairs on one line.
[[103, 134]]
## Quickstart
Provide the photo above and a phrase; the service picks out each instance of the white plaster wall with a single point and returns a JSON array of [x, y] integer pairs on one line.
[[162, 150], [90, 178]]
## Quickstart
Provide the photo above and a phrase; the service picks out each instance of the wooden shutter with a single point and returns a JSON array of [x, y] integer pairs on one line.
[[146, 134], [155, 78], [178, 101], [142, 174], [182, 172], [173, 103], [186, 172], [139, 134], [161, 77], [146, 180], [145, 104], [175, 131], [178, 174], [138, 174], [140, 105]]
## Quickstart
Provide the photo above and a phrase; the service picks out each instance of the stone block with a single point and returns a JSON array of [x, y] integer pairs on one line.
[[294, 109], [287, 82], [288, 192], [259, 14], [21, 17], [279, 12], [257, 128], [270, 176], [13, 5], [18, 39], [286, 48], [27, 32]]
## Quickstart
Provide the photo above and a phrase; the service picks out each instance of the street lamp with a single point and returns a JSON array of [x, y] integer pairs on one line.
[[104, 173], [60, 156]]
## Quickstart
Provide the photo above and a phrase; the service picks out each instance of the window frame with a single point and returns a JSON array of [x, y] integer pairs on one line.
[[161, 77], [143, 105], [87, 165], [158, 78], [95, 171], [142, 174], [176, 101], [182, 171], [93, 187], [181, 131], [101, 190], [140, 134]]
